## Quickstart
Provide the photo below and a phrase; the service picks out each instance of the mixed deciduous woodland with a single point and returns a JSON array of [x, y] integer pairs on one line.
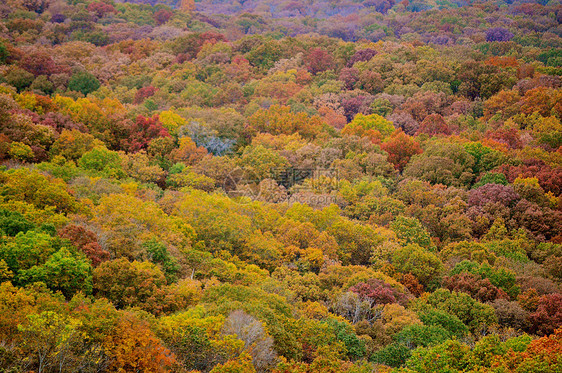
[[280, 186]]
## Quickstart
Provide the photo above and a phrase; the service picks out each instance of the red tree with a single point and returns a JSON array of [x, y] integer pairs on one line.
[[86, 241], [400, 149], [434, 124], [100, 9], [548, 316], [143, 131], [319, 60], [144, 93]]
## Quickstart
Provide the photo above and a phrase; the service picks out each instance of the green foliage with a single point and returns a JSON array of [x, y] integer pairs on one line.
[[13, 222], [491, 178], [394, 355], [64, 271], [416, 260], [4, 54], [27, 250], [84, 82], [472, 313], [345, 334], [450, 356], [410, 231], [105, 161], [158, 254], [422, 335], [500, 277], [445, 320]]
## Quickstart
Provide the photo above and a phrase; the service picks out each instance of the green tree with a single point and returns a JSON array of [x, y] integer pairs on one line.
[[410, 230], [102, 160], [65, 271], [472, 313], [84, 82], [13, 222], [158, 254], [27, 250], [418, 261]]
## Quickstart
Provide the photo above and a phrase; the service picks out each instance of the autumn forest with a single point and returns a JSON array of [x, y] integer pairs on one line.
[[281, 186]]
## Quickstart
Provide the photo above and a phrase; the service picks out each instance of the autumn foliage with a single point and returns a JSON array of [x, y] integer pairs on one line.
[[290, 187]]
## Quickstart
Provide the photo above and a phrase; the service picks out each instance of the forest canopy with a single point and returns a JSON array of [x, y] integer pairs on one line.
[[280, 186]]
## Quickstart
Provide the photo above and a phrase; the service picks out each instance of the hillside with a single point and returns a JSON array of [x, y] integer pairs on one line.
[[286, 187]]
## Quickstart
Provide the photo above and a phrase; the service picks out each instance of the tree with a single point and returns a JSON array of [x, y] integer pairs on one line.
[[419, 262], [510, 314], [158, 254], [27, 250], [475, 286], [548, 316], [377, 292], [410, 230], [197, 341], [100, 9], [38, 6], [141, 168], [187, 5], [102, 160], [132, 346], [40, 62], [13, 222], [434, 124], [143, 131], [446, 320], [356, 241], [400, 148], [373, 126], [361, 55], [540, 355], [263, 250], [281, 120], [4, 54], [448, 356], [422, 335], [19, 78], [188, 152], [144, 93], [36, 189], [73, 144], [48, 339], [127, 283], [241, 364], [498, 276], [64, 271], [256, 341], [162, 16], [470, 312], [84, 82], [85, 241], [260, 162], [20, 152], [318, 60], [498, 34]]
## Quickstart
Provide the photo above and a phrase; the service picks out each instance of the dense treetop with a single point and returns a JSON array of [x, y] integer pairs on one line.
[[286, 187]]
